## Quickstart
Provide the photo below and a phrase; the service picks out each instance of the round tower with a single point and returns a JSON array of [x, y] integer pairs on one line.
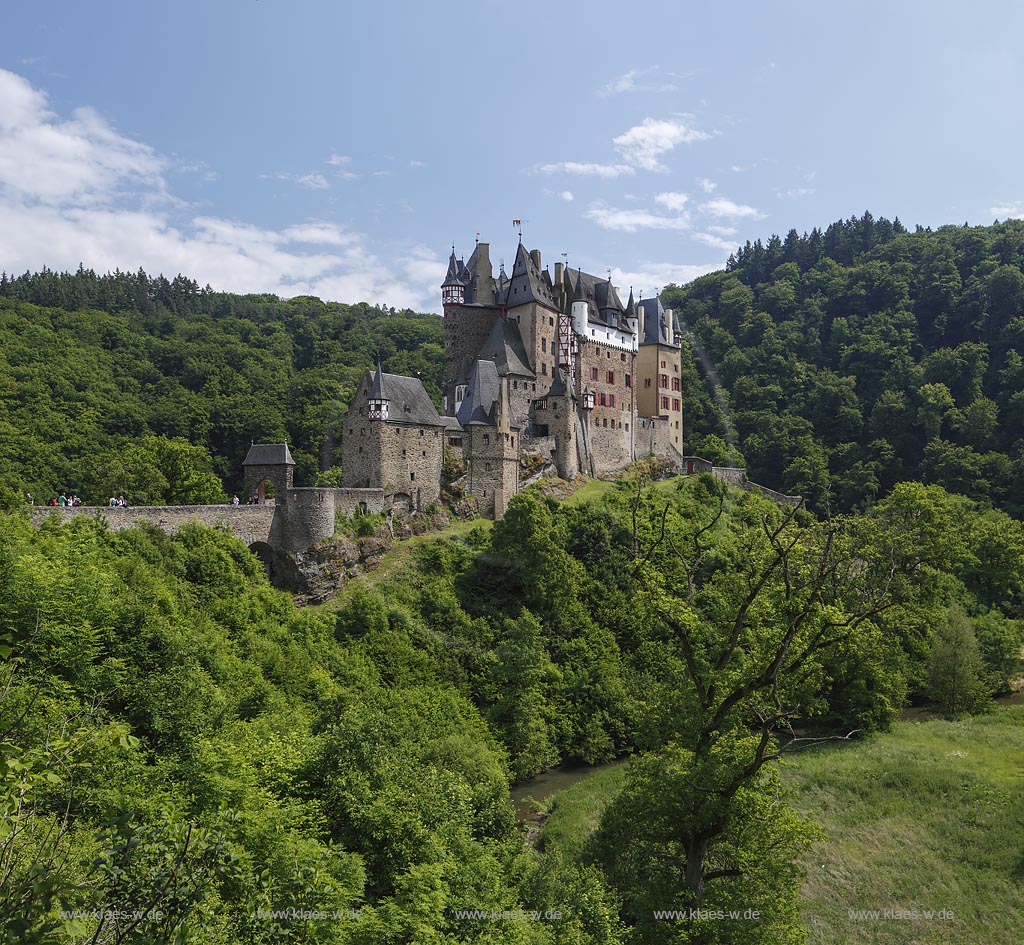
[[579, 306]]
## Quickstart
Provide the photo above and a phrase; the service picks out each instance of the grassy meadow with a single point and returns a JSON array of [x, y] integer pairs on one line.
[[927, 817]]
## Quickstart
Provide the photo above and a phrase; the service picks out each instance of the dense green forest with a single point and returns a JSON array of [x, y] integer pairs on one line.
[[106, 381], [177, 737], [838, 363]]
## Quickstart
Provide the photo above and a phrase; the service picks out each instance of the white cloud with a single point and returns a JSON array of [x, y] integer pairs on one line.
[[339, 160], [723, 230], [584, 169], [568, 196], [672, 200], [313, 181], [77, 190], [655, 276], [708, 186], [711, 239], [629, 221], [417, 164], [643, 145], [795, 193], [1008, 211], [628, 83], [49, 160], [723, 207]]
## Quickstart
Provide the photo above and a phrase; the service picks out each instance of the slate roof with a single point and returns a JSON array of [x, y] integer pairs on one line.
[[451, 424], [504, 346], [484, 390], [655, 324], [558, 386], [604, 307], [528, 283], [408, 399], [268, 454]]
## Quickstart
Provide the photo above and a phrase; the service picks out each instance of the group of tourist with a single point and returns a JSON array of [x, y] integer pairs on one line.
[[64, 500], [72, 501]]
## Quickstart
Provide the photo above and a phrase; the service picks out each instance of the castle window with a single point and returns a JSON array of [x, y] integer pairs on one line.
[[423, 452], [513, 441], [611, 400], [412, 477], [534, 386], [629, 380], [627, 427], [544, 345], [604, 422], [593, 373], [487, 439], [362, 431], [422, 432], [664, 380], [544, 368], [675, 384], [551, 321], [611, 377], [675, 403], [675, 367], [664, 403], [622, 357], [591, 332], [487, 467], [662, 363], [403, 452], [677, 424], [604, 401], [647, 382], [360, 449], [515, 385]]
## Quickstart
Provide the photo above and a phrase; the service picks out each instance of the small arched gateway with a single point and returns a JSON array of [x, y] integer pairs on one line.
[[268, 462]]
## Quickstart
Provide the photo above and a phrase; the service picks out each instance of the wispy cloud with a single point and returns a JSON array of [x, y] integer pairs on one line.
[[708, 185], [655, 276], [643, 145], [568, 196], [1008, 211], [638, 80], [672, 200], [313, 181], [584, 169], [640, 147], [77, 190], [718, 242], [723, 208], [794, 193], [629, 221]]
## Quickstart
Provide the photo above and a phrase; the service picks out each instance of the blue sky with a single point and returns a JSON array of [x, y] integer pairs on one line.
[[339, 149]]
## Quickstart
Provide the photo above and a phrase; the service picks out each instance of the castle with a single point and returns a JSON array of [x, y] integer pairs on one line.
[[535, 363]]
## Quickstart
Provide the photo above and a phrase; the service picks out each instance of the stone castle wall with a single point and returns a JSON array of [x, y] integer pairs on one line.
[[249, 523], [403, 460], [466, 328]]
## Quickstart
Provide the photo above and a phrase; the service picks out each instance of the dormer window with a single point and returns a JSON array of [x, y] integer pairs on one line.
[[378, 409]]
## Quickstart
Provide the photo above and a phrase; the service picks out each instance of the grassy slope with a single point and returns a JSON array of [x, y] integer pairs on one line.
[[930, 816]]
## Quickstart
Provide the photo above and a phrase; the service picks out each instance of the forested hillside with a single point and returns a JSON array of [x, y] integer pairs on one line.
[[175, 736], [105, 382], [838, 363]]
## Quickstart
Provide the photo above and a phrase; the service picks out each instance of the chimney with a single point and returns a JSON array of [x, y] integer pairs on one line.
[[558, 273], [535, 256], [641, 311], [670, 325]]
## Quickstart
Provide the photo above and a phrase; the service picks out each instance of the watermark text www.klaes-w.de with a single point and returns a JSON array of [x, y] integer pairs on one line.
[[707, 915], [112, 915], [298, 914], [508, 915], [900, 915]]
